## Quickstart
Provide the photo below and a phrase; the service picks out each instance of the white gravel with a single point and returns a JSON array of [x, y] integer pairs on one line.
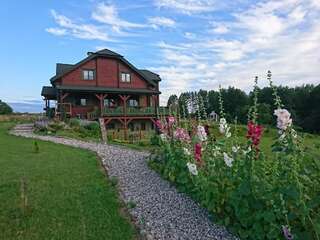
[[160, 211]]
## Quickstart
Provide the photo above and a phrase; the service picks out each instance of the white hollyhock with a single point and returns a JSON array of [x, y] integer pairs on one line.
[[201, 133], [186, 151], [192, 168], [222, 124], [228, 160], [224, 128], [163, 137], [283, 118], [235, 149], [247, 151]]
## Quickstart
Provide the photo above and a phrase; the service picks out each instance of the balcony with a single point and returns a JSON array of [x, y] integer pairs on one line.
[[135, 111]]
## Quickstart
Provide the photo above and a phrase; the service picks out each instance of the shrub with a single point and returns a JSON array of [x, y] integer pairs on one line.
[[155, 140], [56, 126], [5, 108], [74, 122]]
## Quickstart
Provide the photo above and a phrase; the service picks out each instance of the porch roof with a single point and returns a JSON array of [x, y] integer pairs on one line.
[[49, 93], [106, 90]]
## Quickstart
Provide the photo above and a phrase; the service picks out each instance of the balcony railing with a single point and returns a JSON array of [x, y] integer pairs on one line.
[[135, 111], [140, 111], [118, 111]]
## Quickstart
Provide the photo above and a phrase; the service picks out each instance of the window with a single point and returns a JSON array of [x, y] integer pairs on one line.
[[83, 102], [133, 103], [125, 77], [109, 102], [88, 74], [143, 126]]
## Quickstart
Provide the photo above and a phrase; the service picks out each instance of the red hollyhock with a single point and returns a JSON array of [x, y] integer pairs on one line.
[[254, 133], [197, 153]]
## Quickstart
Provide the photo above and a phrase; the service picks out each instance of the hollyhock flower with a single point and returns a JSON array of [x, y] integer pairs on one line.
[[171, 120], [159, 124], [192, 168], [163, 137], [245, 152], [254, 133], [286, 232], [201, 133], [186, 151], [283, 119], [198, 152], [235, 149], [228, 160], [216, 151], [181, 134], [224, 128]]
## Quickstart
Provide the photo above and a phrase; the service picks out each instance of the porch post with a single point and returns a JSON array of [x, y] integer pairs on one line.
[[154, 99], [101, 98], [124, 98]]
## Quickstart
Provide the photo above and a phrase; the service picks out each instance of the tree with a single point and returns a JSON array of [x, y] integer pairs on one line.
[[302, 102], [5, 108], [312, 120], [173, 99]]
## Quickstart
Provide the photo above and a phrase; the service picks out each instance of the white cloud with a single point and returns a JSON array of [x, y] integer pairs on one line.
[[108, 14], [187, 6], [221, 29], [283, 36], [190, 35], [83, 31], [157, 22], [57, 31]]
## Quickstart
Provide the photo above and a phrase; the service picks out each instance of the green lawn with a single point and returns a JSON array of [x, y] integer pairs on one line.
[[311, 142], [67, 193]]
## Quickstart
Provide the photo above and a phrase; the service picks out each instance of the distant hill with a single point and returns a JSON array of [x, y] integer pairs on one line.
[[30, 106]]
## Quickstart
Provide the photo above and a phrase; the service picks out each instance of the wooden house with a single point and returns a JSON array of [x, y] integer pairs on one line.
[[105, 85]]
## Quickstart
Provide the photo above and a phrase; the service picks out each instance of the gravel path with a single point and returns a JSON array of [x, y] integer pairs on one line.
[[160, 211]]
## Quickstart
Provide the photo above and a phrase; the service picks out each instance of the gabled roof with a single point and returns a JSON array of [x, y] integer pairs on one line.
[[108, 52], [62, 68], [66, 68], [151, 75]]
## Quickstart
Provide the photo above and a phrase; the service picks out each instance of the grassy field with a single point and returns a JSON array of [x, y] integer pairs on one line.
[[68, 196], [311, 142]]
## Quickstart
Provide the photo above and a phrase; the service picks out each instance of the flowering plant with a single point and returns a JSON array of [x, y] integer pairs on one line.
[[283, 119], [181, 134], [201, 133], [254, 133], [257, 195]]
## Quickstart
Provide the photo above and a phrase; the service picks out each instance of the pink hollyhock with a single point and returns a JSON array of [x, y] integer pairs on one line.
[[159, 125], [198, 153], [254, 133], [181, 134], [171, 120]]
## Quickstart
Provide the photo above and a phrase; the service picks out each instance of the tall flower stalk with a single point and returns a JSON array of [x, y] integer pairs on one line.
[[277, 100]]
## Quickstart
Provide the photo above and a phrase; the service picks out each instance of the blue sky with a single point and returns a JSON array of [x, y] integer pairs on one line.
[[192, 44]]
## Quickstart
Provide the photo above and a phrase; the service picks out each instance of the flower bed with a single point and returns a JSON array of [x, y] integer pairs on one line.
[[257, 196]]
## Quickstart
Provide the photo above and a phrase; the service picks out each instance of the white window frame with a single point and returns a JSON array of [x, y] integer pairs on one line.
[[83, 102], [88, 74], [135, 103], [125, 77]]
